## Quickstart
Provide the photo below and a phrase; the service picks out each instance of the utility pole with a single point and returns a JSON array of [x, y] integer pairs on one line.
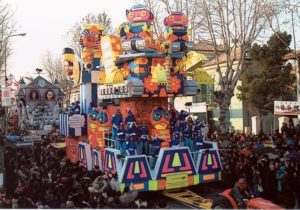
[[5, 73]]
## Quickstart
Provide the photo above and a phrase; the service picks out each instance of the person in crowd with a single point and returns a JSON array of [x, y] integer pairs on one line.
[[116, 121], [281, 173], [270, 183], [114, 183], [241, 193], [129, 195], [285, 129]]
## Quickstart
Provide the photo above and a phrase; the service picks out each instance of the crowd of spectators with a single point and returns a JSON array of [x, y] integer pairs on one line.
[[41, 177], [269, 163]]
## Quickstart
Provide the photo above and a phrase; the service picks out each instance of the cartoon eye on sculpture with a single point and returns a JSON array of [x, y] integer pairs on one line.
[[160, 118]]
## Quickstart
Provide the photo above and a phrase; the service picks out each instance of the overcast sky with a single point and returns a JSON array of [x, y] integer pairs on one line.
[[46, 23]]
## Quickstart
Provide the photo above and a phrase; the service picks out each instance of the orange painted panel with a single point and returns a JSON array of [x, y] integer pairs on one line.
[[208, 177], [139, 186], [72, 147]]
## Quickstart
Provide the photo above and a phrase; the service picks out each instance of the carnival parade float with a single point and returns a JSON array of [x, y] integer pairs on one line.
[[39, 104], [131, 74]]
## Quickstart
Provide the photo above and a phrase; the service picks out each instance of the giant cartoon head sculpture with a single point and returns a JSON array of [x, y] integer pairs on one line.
[[139, 13], [102, 118], [90, 36], [159, 118], [176, 19], [90, 43], [69, 59]]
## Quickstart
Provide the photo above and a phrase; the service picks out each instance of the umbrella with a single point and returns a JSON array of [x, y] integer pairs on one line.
[[293, 156], [272, 156], [246, 152], [262, 150]]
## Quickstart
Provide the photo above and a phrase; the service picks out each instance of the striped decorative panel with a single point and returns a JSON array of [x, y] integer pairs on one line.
[[73, 130]]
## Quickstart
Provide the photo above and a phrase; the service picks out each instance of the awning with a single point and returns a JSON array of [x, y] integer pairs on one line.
[[202, 77], [193, 58]]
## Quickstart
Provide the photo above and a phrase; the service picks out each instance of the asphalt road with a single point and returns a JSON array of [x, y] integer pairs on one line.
[[208, 190]]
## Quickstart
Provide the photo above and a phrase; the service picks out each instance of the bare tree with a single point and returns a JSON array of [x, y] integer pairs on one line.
[[75, 32], [156, 8], [161, 8], [235, 25], [53, 66], [7, 28]]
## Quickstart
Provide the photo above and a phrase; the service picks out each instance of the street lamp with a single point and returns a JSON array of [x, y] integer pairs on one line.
[[5, 56], [5, 70]]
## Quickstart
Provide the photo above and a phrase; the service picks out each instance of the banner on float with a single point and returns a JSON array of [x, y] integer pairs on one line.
[[286, 108], [6, 96]]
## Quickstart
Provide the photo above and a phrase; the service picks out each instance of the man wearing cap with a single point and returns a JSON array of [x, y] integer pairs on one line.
[[131, 146], [116, 121], [129, 118], [174, 117], [241, 193], [131, 130], [143, 138], [174, 141], [155, 148], [182, 118], [187, 132], [77, 107], [177, 130], [198, 140], [198, 125]]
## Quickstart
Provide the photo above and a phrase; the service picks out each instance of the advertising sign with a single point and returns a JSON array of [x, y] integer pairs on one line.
[[6, 96], [198, 108], [286, 108]]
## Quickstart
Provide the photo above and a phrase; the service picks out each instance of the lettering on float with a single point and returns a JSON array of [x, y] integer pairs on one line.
[[117, 90]]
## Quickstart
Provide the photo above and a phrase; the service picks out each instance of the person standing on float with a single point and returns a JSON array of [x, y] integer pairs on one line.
[[121, 145], [155, 148], [116, 120], [143, 139], [129, 118]]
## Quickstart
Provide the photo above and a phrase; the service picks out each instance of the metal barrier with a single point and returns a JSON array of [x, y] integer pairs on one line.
[[110, 143]]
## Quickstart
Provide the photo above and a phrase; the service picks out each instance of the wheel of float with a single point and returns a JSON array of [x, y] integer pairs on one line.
[[221, 202]]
